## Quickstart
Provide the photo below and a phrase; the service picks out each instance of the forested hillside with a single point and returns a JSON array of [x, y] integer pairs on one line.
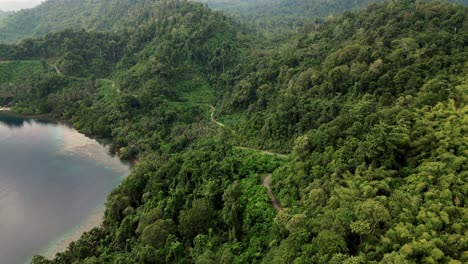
[[117, 15], [385, 52], [373, 106], [145, 79], [283, 15], [56, 15], [3, 15], [275, 15], [101, 15], [358, 121]]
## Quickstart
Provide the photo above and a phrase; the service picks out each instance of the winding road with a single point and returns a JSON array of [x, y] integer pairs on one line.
[[267, 180], [56, 69], [213, 109], [266, 152], [266, 183]]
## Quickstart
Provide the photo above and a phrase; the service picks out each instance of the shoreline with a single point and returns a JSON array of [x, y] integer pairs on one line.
[[96, 216], [93, 221], [49, 117]]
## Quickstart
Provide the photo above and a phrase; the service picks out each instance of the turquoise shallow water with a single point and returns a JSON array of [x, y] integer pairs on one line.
[[52, 179]]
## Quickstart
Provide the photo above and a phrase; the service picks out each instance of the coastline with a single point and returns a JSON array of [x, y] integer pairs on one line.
[[46, 117], [96, 217], [94, 220], [50, 118], [60, 245], [79, 147]]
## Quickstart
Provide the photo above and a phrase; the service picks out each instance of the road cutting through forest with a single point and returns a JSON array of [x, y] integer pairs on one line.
[[213, 109], [56, 69], [267, 180], [274, 201], [266, 152]]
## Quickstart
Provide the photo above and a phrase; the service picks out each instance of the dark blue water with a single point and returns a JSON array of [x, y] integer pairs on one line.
[[52, 180]]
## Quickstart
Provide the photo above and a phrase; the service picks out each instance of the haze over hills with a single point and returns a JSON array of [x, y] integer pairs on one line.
[[56, 15], [3, 14], [345, 143], [278, 14], [9, 5], [269, 15]]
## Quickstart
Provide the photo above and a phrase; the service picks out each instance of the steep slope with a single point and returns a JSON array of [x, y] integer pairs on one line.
[[121, 77], [4, 14], [280, 14], [369, 109], [276, 15], [326, 68], [99, 15], [372, 106], [96, 15]]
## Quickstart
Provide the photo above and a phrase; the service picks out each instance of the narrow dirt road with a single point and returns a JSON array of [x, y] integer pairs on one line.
[[283, 156], [113, 84], [213, 109], [267, 181], [274, 201], [57, 69]]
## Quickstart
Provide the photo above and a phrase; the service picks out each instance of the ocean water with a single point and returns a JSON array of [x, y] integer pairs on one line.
[[53, 181]]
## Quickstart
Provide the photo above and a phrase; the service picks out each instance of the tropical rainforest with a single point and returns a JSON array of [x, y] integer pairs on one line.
[[3, 14], [345, 142]]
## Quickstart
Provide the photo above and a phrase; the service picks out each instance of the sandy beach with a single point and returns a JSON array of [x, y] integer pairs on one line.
[[5, 109]]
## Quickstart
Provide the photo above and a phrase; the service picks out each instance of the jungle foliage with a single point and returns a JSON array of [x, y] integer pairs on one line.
[[4, 14], [368, 109]]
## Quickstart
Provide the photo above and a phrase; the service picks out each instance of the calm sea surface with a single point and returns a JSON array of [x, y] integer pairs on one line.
[[52, 181]]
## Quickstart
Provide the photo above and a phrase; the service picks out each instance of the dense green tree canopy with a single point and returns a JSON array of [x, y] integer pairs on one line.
[[358, 119], [4, 14]]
